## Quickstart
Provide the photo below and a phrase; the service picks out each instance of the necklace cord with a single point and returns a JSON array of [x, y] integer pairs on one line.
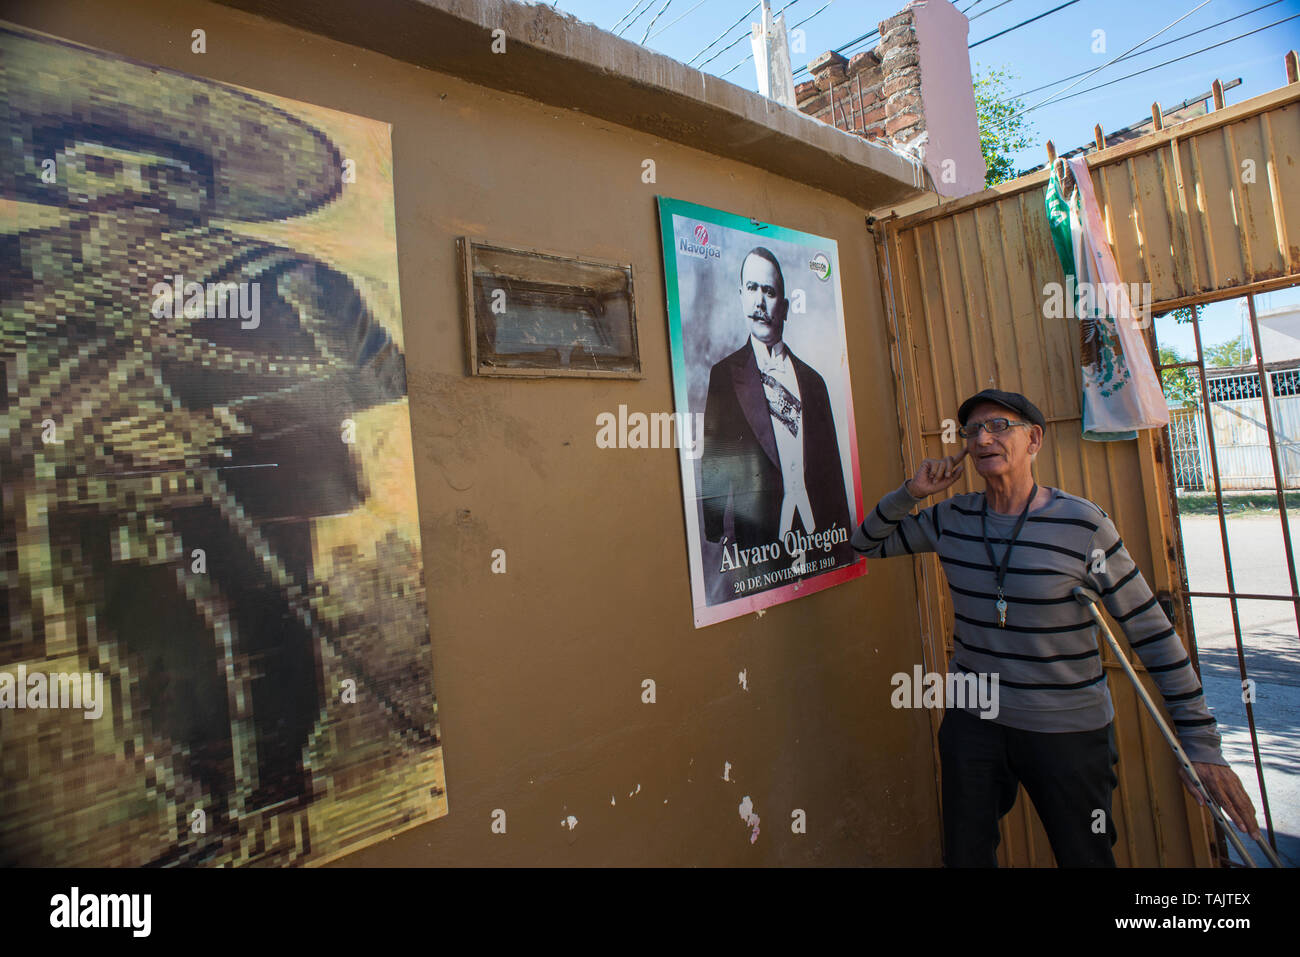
[[1001, 567]]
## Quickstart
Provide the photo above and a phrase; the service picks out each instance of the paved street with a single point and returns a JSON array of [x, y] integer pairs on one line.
[[1272, 654]]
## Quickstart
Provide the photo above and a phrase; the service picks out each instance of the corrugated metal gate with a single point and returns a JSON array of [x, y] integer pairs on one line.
[[962, 284]]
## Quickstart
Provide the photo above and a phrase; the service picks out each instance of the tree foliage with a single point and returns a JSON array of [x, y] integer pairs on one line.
[[1235, 352], [1002, 132], [1180, 385]]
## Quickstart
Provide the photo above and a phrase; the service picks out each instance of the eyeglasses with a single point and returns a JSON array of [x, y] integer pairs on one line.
[[993, 425]]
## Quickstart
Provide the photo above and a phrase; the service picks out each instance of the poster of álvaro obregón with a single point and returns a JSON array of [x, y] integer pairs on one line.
[[769, 462]]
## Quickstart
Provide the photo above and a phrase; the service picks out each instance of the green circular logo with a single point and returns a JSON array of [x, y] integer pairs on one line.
[[821, 265]]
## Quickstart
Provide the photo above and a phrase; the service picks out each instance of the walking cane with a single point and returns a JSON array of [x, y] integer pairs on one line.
[[1089, 598]]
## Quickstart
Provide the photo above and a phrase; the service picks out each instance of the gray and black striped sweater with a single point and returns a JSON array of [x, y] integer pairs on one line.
[[1049, 669]]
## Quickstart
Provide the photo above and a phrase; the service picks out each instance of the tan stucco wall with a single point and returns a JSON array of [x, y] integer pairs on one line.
[[538, 672]]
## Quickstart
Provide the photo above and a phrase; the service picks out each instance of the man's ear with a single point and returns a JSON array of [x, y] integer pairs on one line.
[[783, 307], [1035, 438]]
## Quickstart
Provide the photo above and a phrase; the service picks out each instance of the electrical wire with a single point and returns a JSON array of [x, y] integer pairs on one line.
[[1130, 56], [722, 36], [876, 32], [628, 26], [1023, 23], [840, 49], [625, 16], [813, 14], [669, 26], [654, 21], [741, 63], [742, 37], [989, 10], [1056, 96], [1129, 76]]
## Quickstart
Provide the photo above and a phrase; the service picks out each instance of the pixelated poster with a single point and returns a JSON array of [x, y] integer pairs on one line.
[[770, 479], [214, 643]]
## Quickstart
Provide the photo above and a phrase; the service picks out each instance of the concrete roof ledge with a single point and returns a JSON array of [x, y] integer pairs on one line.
[[557, 59]]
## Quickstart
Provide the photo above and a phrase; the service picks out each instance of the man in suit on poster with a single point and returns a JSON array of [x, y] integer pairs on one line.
[[770, 445]]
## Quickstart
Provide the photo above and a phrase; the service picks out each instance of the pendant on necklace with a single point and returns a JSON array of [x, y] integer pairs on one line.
[[1002, 610]]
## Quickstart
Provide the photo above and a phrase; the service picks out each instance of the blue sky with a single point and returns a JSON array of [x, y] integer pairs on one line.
[[1040, 53], [1222, 322]]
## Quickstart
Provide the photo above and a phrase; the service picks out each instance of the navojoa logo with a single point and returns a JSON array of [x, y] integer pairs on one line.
[[821, 265], [700, 248]]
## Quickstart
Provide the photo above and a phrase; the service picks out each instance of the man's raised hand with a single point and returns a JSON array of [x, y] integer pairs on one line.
[[935, 475]]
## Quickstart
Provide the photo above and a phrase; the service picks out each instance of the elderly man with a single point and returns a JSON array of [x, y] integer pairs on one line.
[[1012, 555]]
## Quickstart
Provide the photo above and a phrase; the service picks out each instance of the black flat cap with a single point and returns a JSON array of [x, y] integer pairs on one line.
[[1011, 400]]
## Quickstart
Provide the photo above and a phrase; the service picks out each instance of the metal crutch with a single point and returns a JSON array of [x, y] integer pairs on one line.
[[1089, 598]]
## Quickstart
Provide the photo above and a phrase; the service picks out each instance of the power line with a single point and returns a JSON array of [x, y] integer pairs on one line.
[[839, 49], [865, 44], [1137, 46], [669, 26], [989, 10], [1068, 3], [848, 47], [723, 35], [1183, 57], [813, 14], [625, 15], [628, 26], [795, 27], [876, 32], [654, 21], [1129, 56], [1129, 76], [743, 36]]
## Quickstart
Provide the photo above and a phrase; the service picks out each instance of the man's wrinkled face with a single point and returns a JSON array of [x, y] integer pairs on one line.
[[1006, 453], [762, 293]]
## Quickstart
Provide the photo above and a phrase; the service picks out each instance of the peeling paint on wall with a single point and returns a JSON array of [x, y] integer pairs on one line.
[[749, 817]]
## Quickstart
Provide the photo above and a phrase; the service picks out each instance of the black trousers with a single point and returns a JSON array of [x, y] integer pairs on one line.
[[1069, 776]]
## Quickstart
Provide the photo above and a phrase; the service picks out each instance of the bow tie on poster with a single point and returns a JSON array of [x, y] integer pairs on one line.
[[782, 403]]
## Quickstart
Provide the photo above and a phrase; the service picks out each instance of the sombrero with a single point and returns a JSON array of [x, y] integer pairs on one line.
[[262, 162]]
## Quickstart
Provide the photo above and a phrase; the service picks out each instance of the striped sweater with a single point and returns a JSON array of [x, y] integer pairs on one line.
[[1050, 676]]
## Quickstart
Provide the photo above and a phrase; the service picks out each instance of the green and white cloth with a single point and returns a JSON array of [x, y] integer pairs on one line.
[[1121, 392]]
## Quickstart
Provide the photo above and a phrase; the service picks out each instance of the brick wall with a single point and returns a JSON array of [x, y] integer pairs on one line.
[[875, 94]]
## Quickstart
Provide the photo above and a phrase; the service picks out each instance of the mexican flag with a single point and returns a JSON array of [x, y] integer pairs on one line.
[[1121, 392]]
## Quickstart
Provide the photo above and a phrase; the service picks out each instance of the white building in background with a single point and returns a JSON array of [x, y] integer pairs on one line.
[[1279, 332], [1237, 412]]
